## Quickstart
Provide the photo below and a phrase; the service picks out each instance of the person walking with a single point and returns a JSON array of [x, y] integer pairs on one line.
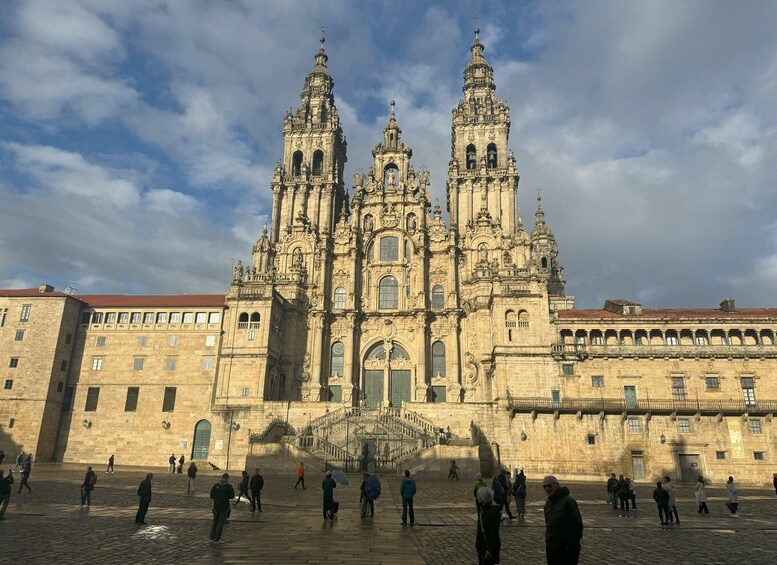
[[407, 490], [453, 470], [612, 491], [19, 462], [181, 461], [733, 498], [669, 487], [328, 486], [171, 462], [701, 495], [479, 484], [487, 542], [221, 493], [191, 472], [5, 491], [257, 484], [90, 479], [110, 464], [661, 496], [300, 476], [144, 499], [623, 492], [26, 470], [2, 456], [563, 524], [499, 486], [243, 488], [519, 493], [632, 493], [364, 499]]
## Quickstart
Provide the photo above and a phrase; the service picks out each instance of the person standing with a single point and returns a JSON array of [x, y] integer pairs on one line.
[[632, 493], [453, 470], [191, 472], [733, 498], [110, 464], [328, 486], [612, 491], [407, 490], [774, 482], [623, 492], [257, 484], [243, 488], [479, 484], [90, 479], [364, 499], [519, 493], [5, 491], [221, 493], [171, 462], [144, 499], [701, 496], [300, 476], [26, 470], [669, 487], [487, 542], [181, 461], [19, 461], [499, 486], [563, 524], [661, 496], [2, 456]]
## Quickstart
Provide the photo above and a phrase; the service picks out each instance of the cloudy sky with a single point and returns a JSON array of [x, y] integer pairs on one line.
[[137, 139]]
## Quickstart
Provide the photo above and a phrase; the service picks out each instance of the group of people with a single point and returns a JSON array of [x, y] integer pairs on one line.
[[505, 491], [171, 461], [622, 490]]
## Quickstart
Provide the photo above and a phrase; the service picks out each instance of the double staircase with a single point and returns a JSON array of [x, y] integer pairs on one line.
[[367, 439]]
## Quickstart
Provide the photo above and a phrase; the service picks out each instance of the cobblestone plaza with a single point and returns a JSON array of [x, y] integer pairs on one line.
[[47, 525]]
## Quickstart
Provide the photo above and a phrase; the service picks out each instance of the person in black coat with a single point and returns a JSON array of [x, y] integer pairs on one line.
[[87, 487], [181, 461], [5, 491], [221, 493], [243, 488], [328, 486], [257, 484], [487, 542], [144, 499], [563, 524], [661, 496], [191, 472]]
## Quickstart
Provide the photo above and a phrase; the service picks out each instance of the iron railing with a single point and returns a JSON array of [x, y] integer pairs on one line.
[[666, 406]]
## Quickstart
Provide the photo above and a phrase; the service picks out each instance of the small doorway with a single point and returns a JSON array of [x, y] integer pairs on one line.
[[637, 465], [630, 395], [689, 468], [201, 443]]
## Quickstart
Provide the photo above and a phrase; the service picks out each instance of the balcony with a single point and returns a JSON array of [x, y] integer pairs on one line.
[[569, 351], [653, 406], [677, 351]]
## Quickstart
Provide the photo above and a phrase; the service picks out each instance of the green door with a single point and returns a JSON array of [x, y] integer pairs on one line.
[[373, 388], [201, 443], [400, 388]]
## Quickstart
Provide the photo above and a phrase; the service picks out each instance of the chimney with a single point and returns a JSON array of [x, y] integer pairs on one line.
[[728, 305], [45, 288]]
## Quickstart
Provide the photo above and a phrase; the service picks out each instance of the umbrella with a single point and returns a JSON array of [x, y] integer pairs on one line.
[[340, 477], [372, 487]]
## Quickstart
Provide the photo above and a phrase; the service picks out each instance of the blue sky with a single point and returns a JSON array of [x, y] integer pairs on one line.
[[137, 139]]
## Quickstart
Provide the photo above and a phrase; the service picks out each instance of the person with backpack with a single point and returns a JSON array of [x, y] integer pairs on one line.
[[243, 488], [407, 490], [519, 493], [500, 487], [661, 496], [90, 479], [257, 484], [221, 493], [191, 472], [487, 542], [5, 491]]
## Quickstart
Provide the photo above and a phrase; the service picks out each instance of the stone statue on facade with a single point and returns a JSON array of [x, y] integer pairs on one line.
[[237, 276]]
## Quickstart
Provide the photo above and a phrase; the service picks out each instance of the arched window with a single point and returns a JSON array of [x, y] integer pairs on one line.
[[438, 298], [324, 114], [511, 322], [201, 443], [339, 302], [242, 320], [376, 352], [389, 248], [438, 359], [254, 320], [318, 163], [371, 252], [471, 157], [407, 250], [491, 155], [523, 319], [544, 262], [338, 356], [388, 293], [398, 353], [296, 164]]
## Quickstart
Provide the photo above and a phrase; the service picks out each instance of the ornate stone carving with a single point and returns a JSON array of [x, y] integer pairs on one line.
[[472, 368]]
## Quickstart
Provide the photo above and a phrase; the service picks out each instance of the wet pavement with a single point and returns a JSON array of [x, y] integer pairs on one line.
[[47, 525]]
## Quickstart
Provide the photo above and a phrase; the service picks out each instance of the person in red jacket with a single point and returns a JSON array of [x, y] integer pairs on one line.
[[300, 476]]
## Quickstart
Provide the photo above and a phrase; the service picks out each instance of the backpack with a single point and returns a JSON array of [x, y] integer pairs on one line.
[[93, 479]]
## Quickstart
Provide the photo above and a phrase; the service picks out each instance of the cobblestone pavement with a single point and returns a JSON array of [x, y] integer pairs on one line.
[[47, 525]]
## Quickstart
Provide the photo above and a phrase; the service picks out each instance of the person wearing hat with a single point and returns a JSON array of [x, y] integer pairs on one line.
[[487, 542], [221, 493], [328, 485]]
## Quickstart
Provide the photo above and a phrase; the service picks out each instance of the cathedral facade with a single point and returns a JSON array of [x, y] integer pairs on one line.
[[366, 330]]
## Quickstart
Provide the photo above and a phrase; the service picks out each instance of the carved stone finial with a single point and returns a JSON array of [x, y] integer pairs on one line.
[[392, 108]]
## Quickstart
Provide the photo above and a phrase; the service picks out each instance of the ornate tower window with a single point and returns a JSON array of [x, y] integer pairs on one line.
[[255, 319], [339, 301], [388, 293], [389, 248], [296, 163], [318, 163], [338, 356], [242, 321], [438, 359], [438, 298], [471, 157], [511, 322], [491, 155]]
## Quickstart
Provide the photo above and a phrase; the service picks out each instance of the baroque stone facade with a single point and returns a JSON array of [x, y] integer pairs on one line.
[[370, 301]]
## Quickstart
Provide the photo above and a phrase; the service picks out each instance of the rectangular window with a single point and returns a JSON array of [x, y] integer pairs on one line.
[[170, 363], [720, 455], [639, 340], [245, 391], [138, 363], [389, 248], [63, 365], [671, 340], [14, 362], [2, 317], [597, 381], [339, 301], [175, 317], [597, 340], [200, 317], [207, 363], [712, 383], [630, 395], [97, 363], [748, 390], [173, 341], [678, 388], [110, 318], [188, 317], [567, 369], [168, 404], [635, 426], [251, 335], [210, 340], [135, 318], [131, 404], [591, 439], [11, 422], [142, 340], [100, 341], [438, 394], [684, 425], [85, 317], [25, 317], [97, 318], [161, 318], [700, 340], [148, 318], [759, 455], [8, 384], [19, 335], [214, 317], [755, 426], [92, 396], [67, 400], [123, 317]]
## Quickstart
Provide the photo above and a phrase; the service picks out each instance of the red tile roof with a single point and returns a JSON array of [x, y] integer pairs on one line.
[[671, 314], [148, 301]]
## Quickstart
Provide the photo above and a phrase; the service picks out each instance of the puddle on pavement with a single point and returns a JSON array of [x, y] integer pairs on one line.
[[724, 531], [154, 532]]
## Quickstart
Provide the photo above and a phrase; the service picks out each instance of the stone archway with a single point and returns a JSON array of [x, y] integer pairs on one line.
[[386, 375], [201, 443]]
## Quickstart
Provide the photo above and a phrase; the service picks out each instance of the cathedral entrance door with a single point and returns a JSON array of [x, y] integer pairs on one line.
[[201, 443], [400, 388], [373, 388]]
